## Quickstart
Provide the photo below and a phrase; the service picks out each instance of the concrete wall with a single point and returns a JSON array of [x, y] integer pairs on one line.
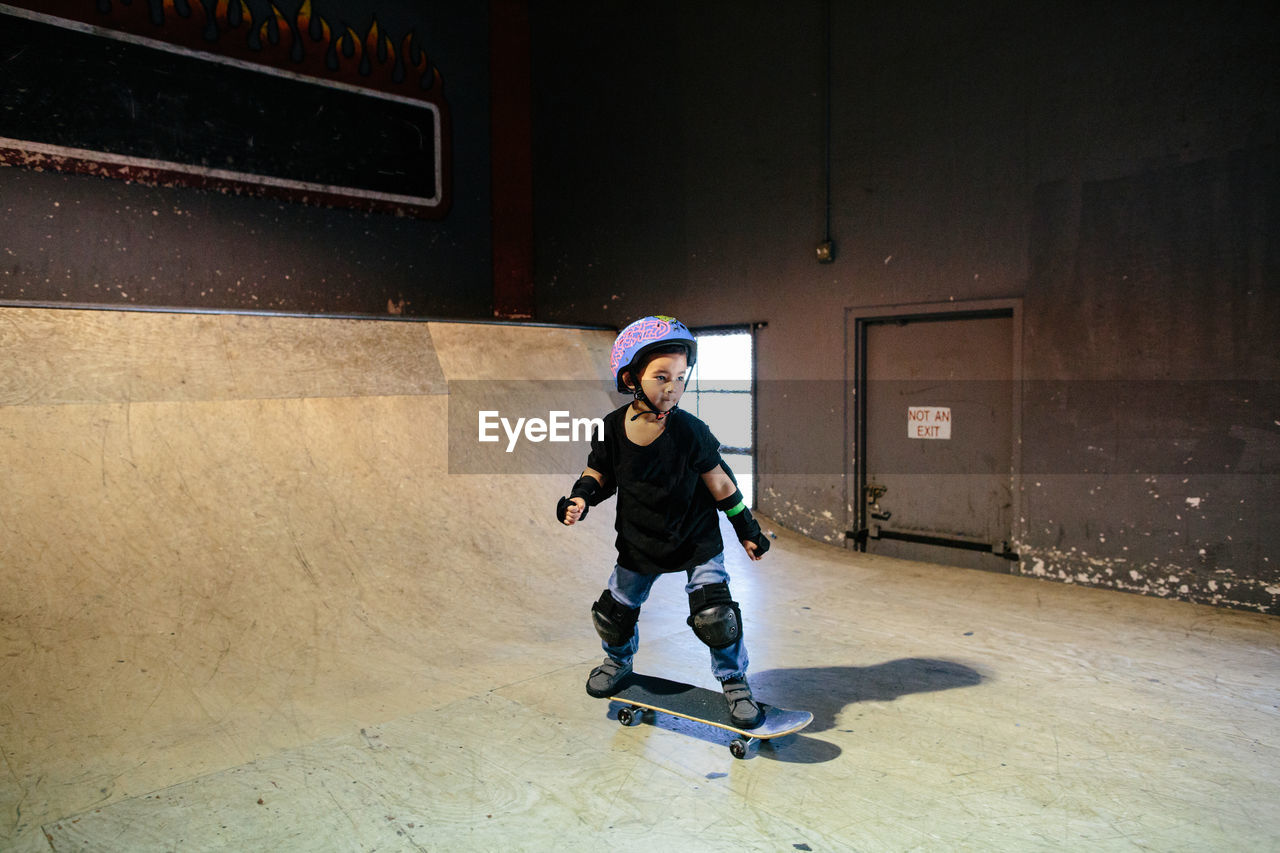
[[1113, 166]]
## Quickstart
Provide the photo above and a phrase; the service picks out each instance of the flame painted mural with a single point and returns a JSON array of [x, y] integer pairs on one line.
[[224, 95]]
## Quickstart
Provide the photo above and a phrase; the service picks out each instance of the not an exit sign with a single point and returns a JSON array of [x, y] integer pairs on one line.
[[928, 422]]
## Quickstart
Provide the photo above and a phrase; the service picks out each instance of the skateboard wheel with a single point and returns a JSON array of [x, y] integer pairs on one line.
[[738, 747], [628, 716]]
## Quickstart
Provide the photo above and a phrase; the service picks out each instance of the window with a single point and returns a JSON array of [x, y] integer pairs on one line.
[[720, 392]]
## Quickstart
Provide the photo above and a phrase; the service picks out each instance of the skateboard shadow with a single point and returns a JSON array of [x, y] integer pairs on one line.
[[828, 690], [793, 748]]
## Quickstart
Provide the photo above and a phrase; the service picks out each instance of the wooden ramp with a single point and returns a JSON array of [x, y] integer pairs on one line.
[[222, 536]]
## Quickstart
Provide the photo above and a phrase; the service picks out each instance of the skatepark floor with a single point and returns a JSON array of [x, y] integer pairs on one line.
[[252, 600]]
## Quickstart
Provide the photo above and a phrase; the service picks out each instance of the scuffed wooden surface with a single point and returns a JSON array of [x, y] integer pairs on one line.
[[222, 536], [280, 593], [474, 352]]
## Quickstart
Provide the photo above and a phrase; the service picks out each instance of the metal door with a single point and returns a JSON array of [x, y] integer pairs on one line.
[[936, 420]]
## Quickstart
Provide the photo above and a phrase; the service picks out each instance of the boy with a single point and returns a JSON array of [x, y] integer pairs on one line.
[[665, 465]]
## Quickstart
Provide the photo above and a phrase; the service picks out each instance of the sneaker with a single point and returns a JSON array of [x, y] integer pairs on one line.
[[605, 678], [743, 710]]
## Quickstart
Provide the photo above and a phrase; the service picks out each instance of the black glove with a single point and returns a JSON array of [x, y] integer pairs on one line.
[[748, 530], [744, 524], [562, 509]]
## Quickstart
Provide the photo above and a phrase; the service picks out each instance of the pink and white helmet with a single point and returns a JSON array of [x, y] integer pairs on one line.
[[645, 335]]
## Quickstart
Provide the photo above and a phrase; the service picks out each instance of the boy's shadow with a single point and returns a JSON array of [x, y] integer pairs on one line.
[[826, 691]]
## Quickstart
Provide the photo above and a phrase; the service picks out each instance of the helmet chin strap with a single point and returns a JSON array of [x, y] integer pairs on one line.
[[653, 410]]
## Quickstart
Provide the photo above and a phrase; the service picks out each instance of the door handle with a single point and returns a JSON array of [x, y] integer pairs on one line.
[[874, 491]]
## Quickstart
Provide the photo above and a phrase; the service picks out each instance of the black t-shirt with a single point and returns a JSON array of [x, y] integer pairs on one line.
[[666, 517]]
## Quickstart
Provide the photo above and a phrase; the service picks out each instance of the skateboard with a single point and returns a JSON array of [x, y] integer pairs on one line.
[[639, 694]]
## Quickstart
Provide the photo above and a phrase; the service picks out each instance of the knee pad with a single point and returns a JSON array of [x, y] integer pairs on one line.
[[614, 621], [714, 616]]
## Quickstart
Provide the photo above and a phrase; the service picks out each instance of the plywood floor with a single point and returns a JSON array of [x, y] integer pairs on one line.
[[244, 605]]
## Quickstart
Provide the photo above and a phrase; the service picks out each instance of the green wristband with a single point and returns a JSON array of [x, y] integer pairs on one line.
[[733, 504]]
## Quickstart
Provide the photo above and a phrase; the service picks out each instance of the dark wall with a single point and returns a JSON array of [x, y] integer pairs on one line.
[[1112, 166], [84, 239]]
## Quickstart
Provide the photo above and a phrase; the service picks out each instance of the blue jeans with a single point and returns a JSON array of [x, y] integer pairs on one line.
[[632, 589]]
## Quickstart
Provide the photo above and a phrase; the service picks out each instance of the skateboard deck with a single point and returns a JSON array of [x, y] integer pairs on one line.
[[641, 693]]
